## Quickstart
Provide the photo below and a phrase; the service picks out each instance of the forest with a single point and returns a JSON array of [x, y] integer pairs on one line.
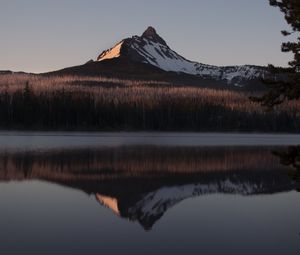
[[34, 102]]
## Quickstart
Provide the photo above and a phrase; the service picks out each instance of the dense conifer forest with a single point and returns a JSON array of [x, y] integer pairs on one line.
[[96, 103]]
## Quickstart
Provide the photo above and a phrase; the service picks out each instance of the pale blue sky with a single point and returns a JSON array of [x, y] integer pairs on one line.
[[44, 35]]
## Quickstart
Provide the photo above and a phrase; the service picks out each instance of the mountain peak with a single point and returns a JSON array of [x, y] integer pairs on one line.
[[150, 31], [151, 34]]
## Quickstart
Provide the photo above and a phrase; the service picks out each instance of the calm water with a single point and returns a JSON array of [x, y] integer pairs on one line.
[[80, 193]]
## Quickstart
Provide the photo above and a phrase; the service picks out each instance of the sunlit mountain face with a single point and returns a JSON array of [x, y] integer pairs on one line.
[[148, 56], [150, 48], [141, 183]]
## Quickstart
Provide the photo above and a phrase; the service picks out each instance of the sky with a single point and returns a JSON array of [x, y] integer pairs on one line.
[[45, 35]]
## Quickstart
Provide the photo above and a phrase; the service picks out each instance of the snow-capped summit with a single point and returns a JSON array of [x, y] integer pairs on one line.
[[150, 48]]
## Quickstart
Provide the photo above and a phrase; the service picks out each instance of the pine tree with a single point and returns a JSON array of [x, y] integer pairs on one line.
[[290, 88]]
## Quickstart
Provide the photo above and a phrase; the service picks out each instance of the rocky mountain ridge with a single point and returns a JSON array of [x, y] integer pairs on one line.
[[151, 49]]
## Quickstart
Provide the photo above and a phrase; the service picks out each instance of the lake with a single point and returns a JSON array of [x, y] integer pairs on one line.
[[148, 193]]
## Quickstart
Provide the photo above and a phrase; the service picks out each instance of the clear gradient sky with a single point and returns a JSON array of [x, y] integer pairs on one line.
[[44, 35]]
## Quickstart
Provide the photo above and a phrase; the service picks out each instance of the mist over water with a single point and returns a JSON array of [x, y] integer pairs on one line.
[[10, 140]]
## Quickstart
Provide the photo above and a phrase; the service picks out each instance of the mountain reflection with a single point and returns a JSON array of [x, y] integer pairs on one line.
[[141, 183]]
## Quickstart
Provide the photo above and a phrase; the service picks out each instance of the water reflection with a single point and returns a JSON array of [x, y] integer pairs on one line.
[[290, 157], [141, 183]]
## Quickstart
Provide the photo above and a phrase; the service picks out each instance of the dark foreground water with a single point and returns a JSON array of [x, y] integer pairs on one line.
[[147, 194]]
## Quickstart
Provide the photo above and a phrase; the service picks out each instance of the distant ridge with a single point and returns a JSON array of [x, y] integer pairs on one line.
[[5, 72]]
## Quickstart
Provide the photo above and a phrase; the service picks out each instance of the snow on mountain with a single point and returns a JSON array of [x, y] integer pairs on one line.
[[148, 207], [151, 49], [154, 204]]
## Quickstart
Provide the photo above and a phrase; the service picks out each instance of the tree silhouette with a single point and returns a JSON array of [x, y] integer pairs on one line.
[[289, 89], [291, 157]]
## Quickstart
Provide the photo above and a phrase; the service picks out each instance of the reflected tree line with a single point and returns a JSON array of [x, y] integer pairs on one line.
[[140, 183], [291, 157], [164, 164]]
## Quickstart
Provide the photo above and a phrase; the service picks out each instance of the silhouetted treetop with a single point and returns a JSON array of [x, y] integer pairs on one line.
[[289, 89]]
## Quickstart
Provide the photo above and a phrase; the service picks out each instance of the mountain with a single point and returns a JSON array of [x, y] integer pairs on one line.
[[4, 72], [148, 57], [141, 184], [147, 205], [151, 49], [146, 199], [9, 72]]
